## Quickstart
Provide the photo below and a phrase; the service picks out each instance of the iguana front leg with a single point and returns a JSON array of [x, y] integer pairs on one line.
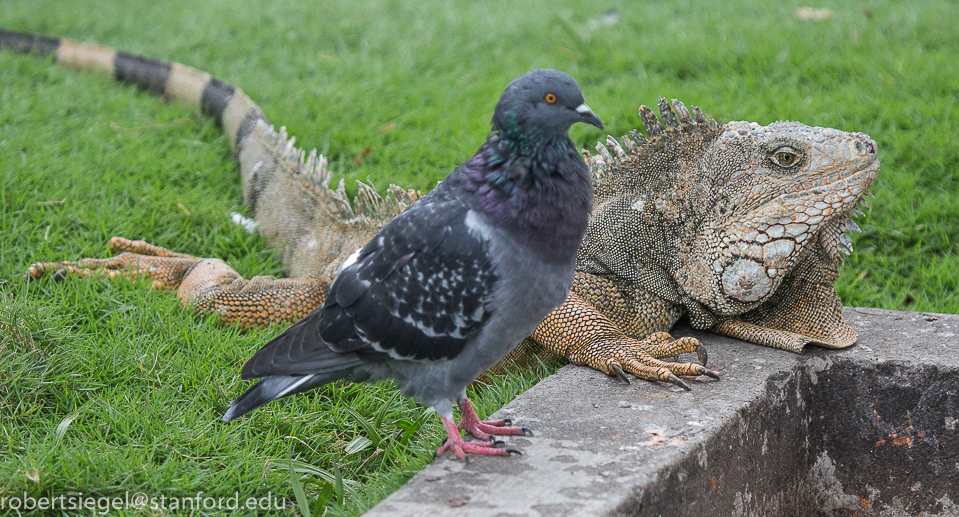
[[583, 333], [208, 285]]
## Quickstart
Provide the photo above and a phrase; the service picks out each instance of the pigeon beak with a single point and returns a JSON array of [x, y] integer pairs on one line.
[[588, 116]]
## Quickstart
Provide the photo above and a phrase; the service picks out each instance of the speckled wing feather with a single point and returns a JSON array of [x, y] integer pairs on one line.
[[417, 291]]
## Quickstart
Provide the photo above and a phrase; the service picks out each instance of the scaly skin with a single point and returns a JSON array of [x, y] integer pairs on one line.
[[702, 220], [739, 226]]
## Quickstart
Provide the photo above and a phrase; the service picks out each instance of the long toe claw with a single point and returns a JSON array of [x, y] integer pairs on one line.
[[677, 381], [513, 451], [710, 373], [619, 373], [526, 431], [702, 355]]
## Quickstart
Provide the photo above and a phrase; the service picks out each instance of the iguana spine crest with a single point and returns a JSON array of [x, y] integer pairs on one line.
[[677, 119]]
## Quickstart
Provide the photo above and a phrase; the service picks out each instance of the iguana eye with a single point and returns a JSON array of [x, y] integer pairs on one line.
[[785, 157], [550, 98]]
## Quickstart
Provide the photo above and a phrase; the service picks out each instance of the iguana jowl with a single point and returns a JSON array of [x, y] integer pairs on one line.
[[738, 226]]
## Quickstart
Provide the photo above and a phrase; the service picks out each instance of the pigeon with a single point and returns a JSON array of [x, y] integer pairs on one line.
[[453, 283]]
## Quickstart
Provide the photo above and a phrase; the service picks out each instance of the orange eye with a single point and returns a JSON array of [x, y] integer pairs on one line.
[[550, 98]]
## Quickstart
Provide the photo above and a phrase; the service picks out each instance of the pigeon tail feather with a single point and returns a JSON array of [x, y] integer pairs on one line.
[[274, 387]]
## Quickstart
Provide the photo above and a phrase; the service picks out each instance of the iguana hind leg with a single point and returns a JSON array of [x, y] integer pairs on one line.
[[208, 285], [136, 259]]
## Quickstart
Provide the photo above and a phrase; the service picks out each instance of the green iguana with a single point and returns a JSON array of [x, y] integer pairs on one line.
[[739, 226]]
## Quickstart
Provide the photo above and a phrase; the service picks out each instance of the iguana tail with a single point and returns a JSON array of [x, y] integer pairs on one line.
[[236, 113], [287, 190]]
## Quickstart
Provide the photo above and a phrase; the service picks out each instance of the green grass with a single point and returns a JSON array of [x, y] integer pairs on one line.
[[112, 387]]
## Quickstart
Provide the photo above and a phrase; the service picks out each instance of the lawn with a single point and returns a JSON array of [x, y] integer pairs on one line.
[[107, 388]]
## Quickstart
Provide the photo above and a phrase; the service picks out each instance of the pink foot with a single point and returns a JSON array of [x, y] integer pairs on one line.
[[485, 430], [481, 430], [460, 448]]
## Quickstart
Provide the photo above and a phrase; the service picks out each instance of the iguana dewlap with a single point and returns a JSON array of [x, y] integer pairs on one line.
[[739, 226]]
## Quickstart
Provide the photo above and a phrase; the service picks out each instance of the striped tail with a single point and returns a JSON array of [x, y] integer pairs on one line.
[[312, 226], [233, 110]]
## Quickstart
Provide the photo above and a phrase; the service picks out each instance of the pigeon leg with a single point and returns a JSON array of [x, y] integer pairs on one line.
[[485, 430], [461, 448]]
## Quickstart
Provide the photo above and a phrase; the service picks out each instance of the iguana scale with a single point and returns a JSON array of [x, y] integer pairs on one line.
[[739, 226]]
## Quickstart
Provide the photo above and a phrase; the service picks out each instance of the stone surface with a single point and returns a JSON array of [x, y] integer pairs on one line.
[[870, 430]]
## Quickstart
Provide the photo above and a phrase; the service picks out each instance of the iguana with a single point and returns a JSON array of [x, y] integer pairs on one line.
[[739, 226]]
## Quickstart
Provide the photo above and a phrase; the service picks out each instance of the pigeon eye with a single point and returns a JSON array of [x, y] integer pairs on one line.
[[550, 98], [785, 157]]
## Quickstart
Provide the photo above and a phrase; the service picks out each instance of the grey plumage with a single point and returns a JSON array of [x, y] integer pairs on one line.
[[449, 286]]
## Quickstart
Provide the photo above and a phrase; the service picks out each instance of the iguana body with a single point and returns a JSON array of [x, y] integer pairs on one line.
[[737, 226]]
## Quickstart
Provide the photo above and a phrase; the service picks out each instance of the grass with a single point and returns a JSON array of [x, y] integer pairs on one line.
[[112, 387]]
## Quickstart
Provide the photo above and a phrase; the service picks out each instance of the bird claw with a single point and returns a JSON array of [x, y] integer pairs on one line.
[[483, 431], [710, 373], [463, 450]]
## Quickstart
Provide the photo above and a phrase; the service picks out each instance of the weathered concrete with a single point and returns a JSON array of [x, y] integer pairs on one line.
[[871, 430]]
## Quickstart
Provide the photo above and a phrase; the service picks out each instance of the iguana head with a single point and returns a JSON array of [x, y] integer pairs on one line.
[[783, 189], [717, 217]]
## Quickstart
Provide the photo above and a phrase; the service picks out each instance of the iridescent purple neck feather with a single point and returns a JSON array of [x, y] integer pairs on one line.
[[539, 190]]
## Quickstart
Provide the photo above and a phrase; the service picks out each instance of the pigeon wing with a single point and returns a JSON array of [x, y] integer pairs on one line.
[[419, 290]]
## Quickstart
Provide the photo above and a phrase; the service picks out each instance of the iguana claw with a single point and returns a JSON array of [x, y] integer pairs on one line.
[[702, 355], [677, 381], [619, 373], [644, 358], [135, 259]]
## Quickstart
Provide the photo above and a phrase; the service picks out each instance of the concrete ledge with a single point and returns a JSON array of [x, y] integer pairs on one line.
[[871, 430]]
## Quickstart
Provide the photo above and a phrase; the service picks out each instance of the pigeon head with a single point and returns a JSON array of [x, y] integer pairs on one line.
[[541, 105]]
